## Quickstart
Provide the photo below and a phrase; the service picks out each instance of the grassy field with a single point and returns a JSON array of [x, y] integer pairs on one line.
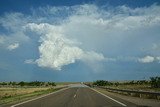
[[136, 87], [8, 94]]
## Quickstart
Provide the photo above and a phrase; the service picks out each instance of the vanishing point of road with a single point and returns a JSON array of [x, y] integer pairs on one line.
[[77, 95]]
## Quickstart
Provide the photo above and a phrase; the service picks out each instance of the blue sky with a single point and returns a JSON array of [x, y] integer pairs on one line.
[[73, 40]]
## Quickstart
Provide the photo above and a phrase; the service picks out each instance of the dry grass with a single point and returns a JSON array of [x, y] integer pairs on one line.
[[9, 92], [137, 87], [9, 95]]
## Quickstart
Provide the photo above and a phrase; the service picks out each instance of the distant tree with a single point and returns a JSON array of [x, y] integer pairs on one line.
[[12, 83], [51, 83], [155, 82], [116, 84], [3, 83], [33, 83], [140, 82], [21, 83], [102, 83], [131, 82]]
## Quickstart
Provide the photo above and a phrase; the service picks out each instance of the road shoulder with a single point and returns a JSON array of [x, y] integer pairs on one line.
[[134, 100]]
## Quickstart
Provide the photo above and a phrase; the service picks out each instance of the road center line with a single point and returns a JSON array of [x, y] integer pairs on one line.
[[109, 97], [76, 93], [39, 97]]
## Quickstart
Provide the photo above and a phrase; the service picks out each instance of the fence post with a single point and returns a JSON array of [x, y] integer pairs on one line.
[[140, 95]]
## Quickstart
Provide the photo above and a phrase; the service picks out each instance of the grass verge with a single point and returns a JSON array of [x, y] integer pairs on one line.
[[23, 97]]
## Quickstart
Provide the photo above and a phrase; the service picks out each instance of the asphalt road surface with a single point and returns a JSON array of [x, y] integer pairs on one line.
[[76, 96]]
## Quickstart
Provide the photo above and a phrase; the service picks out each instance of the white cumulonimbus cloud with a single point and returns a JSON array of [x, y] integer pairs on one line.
[[13, 46], [56, 50]]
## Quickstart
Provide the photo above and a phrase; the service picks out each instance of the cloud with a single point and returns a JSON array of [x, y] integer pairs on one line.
[[1, 40], [86, 33], [29, 61], [158, 59], [146, 59], [13, 46], [56, 50], [12, 30], [149, 59]]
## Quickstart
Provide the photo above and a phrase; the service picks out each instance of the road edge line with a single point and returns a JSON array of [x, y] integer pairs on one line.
[[39, 97], [109, 97]]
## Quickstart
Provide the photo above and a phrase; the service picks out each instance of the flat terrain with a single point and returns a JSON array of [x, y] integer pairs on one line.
[[8, 91], [79, 95], [136, 87], [16, 94], [76, 96]]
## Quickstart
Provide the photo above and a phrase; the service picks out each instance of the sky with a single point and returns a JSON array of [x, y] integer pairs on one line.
[[79, 40]]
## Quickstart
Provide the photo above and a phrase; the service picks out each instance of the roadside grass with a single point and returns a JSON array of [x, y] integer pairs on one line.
[[10, 95], [138, 87], [143, 96]]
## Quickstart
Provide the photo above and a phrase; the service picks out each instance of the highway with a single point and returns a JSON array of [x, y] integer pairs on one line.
[[75, 96]]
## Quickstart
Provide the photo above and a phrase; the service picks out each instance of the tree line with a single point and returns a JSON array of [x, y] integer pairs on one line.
[[154, 82], [33, 83]]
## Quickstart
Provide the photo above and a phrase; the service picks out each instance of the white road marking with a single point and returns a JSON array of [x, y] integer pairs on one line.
[[109, 97], [38, 97], [75, 93]]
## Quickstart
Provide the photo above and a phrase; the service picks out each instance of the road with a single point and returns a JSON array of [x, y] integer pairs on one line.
[[76, 96]]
